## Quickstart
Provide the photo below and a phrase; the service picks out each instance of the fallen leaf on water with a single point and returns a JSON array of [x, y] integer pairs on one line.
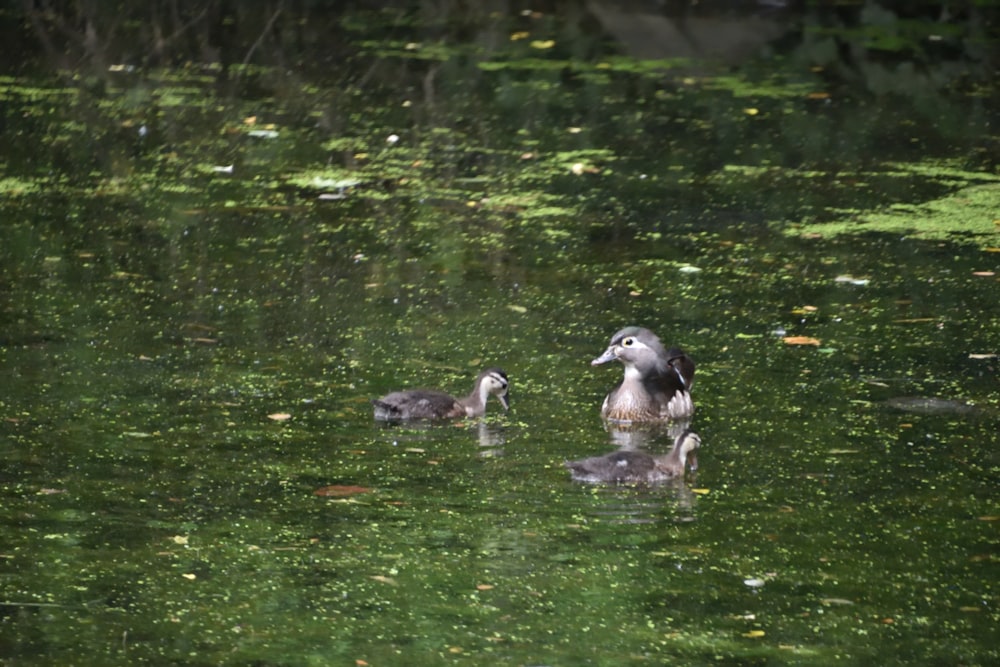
[[836, 601], [985, 274], [279, 416], [484, 587], [975, 355], [384, 579], [753, 634], [190, 576], [701, 492], [851, 280], [179, 539], [800, 340], [340, 491]]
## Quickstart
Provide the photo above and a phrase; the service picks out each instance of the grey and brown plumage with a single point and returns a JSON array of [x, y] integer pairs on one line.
[[636, 466], [657, 382], [435, 404]]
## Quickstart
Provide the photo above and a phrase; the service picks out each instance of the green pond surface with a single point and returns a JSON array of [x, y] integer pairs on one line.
[[207, 272]]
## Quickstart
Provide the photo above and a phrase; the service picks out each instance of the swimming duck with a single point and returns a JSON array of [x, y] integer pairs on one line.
[[434, 404], [657, 382], [631, 466]]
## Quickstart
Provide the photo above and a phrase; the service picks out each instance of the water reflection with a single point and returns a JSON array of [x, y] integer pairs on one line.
[[671, 501], [646, 435], [490, 436]]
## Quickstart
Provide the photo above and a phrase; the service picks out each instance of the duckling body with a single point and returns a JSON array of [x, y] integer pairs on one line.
[[434, 404], [633, 466], [657, 382]]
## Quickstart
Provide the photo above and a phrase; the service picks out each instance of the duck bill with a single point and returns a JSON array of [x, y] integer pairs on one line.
[[609, 355], [504, 400], [692, 461]]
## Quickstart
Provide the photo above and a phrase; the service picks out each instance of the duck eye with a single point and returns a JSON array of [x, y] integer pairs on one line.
[[628, 342]]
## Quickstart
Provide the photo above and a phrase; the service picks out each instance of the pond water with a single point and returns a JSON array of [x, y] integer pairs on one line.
[[210, 271]]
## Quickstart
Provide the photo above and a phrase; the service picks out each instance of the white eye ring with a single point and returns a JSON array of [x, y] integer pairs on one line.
[[628, 342]]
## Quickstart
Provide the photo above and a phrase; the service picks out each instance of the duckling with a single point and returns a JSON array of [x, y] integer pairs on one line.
[[632, 466], [657, 382], [433, 404]]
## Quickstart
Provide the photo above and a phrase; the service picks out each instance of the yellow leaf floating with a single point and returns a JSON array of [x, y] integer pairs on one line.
[[279, 416], [543, 44], [753, 634], [751, 111], [341, 491], [801, 340]]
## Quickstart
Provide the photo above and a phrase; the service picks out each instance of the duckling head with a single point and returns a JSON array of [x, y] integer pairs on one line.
[[494, 381]]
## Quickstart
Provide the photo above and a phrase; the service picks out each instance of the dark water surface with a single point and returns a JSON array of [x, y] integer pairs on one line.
[[207, 272]]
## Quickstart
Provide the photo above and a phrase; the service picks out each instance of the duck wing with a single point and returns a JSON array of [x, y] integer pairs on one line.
[[417, 404], [619, 466]]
